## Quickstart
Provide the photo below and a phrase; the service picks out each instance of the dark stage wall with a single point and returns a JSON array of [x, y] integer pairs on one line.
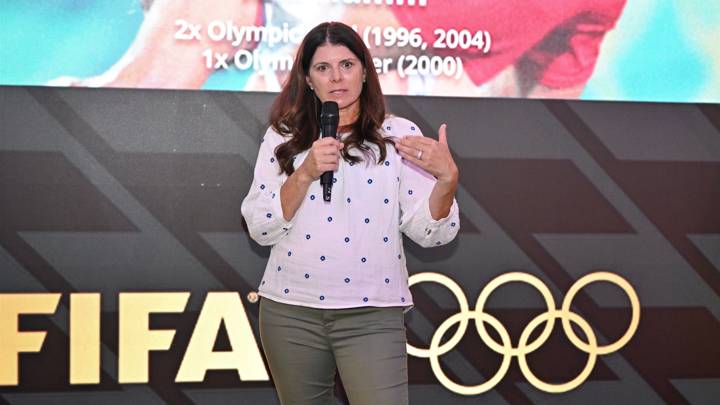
[[118, 191]]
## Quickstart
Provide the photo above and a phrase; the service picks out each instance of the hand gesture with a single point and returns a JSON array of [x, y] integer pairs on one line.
[[431, 155]]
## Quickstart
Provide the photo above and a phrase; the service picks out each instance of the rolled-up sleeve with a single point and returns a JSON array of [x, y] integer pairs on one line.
[[416, 184], [261, 208]]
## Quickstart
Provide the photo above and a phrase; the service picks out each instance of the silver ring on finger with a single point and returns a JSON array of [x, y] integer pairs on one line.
[[419, 154]]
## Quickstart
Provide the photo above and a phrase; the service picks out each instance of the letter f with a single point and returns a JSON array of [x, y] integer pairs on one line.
[[12, 341]]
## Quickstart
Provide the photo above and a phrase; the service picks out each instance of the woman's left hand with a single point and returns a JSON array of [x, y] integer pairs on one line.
[[431, 155]]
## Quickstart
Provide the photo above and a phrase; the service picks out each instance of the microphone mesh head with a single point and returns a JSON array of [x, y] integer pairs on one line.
[[329, 112]]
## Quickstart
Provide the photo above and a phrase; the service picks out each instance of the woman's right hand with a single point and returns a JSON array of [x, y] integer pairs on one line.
[[323, 156]]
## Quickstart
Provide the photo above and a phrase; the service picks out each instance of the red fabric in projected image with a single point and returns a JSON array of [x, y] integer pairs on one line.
[[559, 39]]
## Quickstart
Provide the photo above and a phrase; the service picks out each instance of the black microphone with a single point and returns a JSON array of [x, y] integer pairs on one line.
[[329, 119]]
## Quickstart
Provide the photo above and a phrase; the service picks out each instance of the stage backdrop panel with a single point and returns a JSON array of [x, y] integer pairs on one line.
[[121, 233]]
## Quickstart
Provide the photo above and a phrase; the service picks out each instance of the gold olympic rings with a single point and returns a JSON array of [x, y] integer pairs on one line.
[[524, 347]]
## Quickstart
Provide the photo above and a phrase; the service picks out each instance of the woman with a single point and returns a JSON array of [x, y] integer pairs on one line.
[[335, 287]]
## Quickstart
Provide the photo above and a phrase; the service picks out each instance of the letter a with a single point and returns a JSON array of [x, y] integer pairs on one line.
[[245, 355]]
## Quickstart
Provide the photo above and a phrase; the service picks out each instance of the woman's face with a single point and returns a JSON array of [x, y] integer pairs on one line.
[[336, 74]]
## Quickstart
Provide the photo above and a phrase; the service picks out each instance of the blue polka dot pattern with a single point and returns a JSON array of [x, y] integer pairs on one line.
[[269, 215], [287, 291], [367, 220], [307, 236], [307, 275], [334, 180], [410, 192], [438, 243], [452, 224], [264, 233], [402, 299], [329, 219], [263, 282], [347, 279], [352, 163], [385, 239], [369, 181], [279, 268], [387, 281], [272, 160], [262, 187], [399, 256], [322, 297], [312, 196], [347, 239], [348, 200], [273, 195], [289, 253], [386, 201], [412, 128], [365, 299], [322, 258], [387, 163], [387, 127], [363, 260]]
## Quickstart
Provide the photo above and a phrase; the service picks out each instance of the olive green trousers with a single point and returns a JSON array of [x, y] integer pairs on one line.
[[305, 346]]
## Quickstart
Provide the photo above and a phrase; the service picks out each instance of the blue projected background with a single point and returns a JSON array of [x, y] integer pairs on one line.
[[646, 50]]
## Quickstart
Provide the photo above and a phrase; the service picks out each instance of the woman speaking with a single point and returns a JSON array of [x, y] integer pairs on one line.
[[336, 284]]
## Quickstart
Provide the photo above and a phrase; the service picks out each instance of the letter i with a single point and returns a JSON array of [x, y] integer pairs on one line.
[[85, 338]]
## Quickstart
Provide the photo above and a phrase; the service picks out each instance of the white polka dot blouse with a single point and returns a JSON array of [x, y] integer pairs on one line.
[[348, 252]]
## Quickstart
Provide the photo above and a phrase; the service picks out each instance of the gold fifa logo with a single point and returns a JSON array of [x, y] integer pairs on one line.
[[135, 338], [524, 347]]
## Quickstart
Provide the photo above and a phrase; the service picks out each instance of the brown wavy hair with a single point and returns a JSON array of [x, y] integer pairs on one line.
[[296, 110]]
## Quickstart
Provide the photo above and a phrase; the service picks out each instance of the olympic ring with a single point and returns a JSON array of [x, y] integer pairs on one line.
[[507, 278], [464, 308], [524, 347], [575, 382], [435, 360], [634, 303]]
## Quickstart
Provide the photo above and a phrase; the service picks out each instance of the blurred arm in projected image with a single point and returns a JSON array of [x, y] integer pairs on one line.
[[156, 59]]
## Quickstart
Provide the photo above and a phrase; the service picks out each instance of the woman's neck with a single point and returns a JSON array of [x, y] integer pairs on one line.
[[349, 115]]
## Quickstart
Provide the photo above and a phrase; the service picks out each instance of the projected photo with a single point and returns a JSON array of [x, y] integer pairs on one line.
[[633, 50]]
